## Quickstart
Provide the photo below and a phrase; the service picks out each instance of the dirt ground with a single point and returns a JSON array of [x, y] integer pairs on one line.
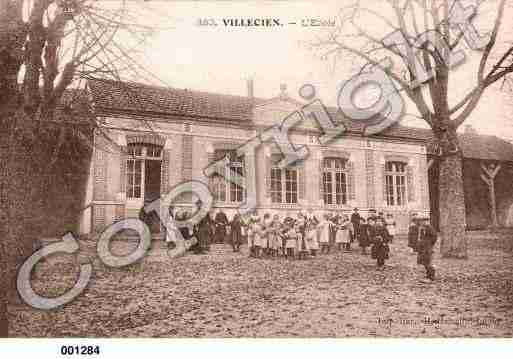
[[226, 294]]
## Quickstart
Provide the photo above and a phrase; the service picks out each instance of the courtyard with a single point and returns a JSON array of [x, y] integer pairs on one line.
[[226, 294]]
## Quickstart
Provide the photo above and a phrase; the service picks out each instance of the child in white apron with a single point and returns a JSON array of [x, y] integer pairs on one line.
[[260, 238], [339, 236], [324, 234], [275, 238], [291, 243], [343, 234], [302, 245], [311, 237]]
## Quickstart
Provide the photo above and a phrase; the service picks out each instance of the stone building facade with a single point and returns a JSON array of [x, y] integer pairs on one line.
[[153, 139]]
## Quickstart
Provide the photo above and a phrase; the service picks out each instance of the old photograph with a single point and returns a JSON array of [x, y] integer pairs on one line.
[[256, 169]]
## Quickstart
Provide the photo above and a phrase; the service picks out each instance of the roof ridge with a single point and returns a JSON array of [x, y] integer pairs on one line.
[[167, 88]]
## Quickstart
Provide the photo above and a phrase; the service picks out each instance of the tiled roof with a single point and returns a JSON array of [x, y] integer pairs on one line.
[[114, 96], [473, 145], [486, 147], [128, 96]]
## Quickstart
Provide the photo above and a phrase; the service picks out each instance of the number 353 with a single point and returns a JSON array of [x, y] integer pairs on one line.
[[206, 22]]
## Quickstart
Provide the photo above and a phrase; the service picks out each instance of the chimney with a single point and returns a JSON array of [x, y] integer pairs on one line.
[[251, 90], [470, 130], [283, 91]]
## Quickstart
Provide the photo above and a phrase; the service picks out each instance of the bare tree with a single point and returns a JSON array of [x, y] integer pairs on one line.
[[426, 36], [48, 48]]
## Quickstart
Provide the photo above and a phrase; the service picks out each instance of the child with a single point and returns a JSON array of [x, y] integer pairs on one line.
[[334, 220], [390, 224], [380, 249], [267, 229], [282, 235], [301, 247], [311, 236], [363, 235], [343, 235], [259, 239], [251, 236], [427, 240], [291, 236], [413, 233], [275, 238], [324, 234]]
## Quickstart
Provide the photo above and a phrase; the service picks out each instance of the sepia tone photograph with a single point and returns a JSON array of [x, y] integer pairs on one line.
[[255, 169]]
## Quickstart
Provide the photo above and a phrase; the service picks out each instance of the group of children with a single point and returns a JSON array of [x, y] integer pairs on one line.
[[306, 236]]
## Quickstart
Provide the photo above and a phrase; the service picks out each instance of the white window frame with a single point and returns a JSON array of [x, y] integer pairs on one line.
[[333, 172], [225, 186], [141, 157], [286, 193], [397, 181]]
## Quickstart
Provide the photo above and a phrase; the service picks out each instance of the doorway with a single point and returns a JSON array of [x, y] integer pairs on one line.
[[143, 173], [152, 169]]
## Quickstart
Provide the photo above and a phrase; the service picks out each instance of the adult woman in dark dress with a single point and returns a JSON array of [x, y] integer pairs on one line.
[[206, 231], [236, 232], [364, 233]]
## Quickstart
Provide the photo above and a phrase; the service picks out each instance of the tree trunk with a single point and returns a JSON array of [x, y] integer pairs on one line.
[[23, 159], [4, 322], [493, 204], [452, 207], [27, 148]]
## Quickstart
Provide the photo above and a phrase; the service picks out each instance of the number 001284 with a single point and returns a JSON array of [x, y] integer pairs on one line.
[[80, 349]]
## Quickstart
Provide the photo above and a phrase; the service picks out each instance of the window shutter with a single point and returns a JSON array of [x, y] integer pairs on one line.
[[351, 190], [164, 180], [210, 159], [321, 179], [384, 179], [301, 181], [123, 154], [268, 166], [409, 181]]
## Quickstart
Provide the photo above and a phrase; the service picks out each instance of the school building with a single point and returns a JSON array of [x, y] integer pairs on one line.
[[168, 136]]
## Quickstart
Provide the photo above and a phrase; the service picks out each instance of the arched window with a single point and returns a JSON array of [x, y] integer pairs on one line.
[[395, 183], [224, 189], [335, 180]]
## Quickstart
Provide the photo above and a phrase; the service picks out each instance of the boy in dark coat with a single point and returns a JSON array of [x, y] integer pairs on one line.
[[380, 249], [413, 233], [427, 240], [355, 220], [221, 222]]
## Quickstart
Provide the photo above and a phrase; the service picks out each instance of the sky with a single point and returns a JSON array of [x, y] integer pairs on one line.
[[219, 59]]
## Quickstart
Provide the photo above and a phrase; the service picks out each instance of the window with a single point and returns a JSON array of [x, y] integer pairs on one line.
[[334, 177], [284, 183], [224, 189], [395, 183], [276, 185], [137, 154], [134, 177], [290, 185]]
